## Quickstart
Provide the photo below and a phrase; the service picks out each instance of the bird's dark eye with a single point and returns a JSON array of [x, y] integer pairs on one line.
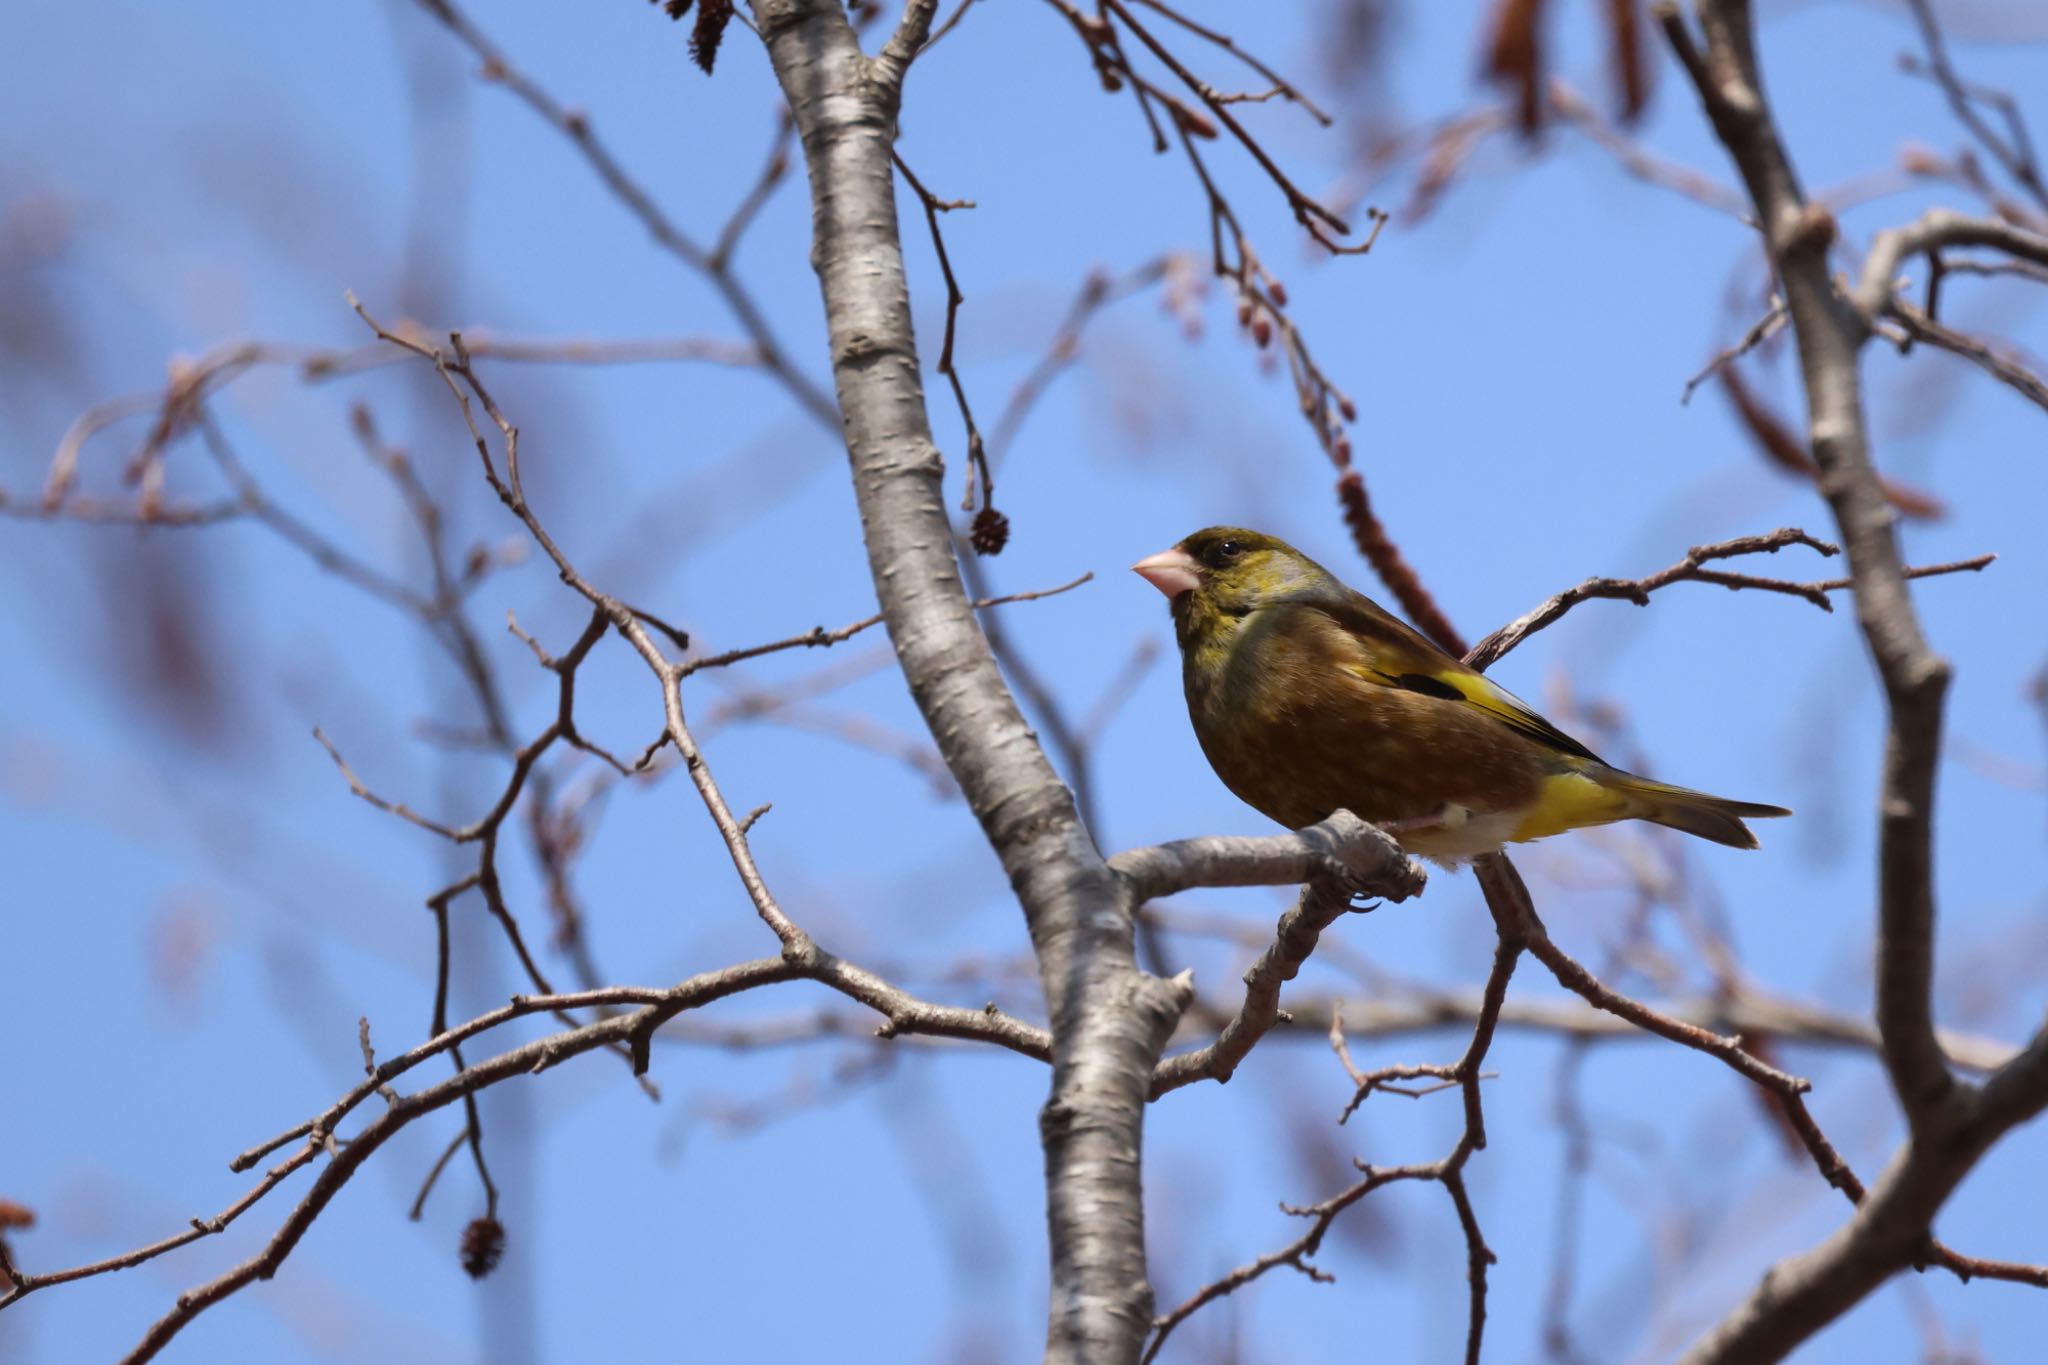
[[1228, 550]]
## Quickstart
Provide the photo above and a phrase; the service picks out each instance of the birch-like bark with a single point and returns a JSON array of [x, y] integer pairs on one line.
[[1110, 1021]]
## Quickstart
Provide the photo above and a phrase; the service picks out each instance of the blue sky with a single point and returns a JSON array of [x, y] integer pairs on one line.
[[199, 912]]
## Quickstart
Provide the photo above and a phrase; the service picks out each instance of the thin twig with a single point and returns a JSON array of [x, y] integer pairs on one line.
[[575, 125], [978, 472], [1692, 569]]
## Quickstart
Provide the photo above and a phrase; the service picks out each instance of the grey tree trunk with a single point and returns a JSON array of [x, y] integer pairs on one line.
[[1110, 1021]]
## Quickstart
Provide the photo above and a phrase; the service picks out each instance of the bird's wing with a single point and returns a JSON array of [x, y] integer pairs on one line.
[[1375, 647]]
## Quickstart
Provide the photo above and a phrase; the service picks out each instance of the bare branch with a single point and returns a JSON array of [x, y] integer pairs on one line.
[[1934, 230], [1399, 1012], [772, 172], [952, 22], [818, 636], [1324, 900], [902, 1014], [1915, 679], [1343, 846], [575, 125], [1966, 265], [1951, 1124], [1282, 87], [905, 43], [1747, 1012], [1296, 1255], [403, 812], [991, 528], [1692, 569], [1465, 1074], [1920, 327], [1109, 1020], [1099, 291], [1778, 444], [1763, 330], [1638, 161], [2014, 151], [1262, 299]]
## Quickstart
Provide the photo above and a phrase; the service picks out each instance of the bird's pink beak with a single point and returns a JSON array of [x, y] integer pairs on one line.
[[1173, 572]]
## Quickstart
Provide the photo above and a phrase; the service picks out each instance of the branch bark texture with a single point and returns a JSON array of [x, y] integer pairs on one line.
[[1110, 1021]]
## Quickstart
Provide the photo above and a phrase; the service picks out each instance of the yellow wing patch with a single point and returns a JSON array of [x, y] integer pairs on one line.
[[1475, 689]]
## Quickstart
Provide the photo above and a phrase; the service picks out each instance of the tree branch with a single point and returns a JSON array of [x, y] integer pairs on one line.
[[1342, 847], [1829, 331], [1692, 569], [1748, 1012], [714, 265], [1508, 902], [1950, 1124], [1932, 231], [1110, 1021], [1331, 882], [902, 1014], [1918, 326]]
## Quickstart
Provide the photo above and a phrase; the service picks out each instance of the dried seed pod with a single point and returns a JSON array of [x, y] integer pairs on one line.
[[990, 533], [483, 1246]]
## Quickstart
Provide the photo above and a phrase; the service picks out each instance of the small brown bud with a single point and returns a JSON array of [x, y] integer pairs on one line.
[[483, 1246], [1815, 229], [990, 533], [1915, 159], [1340, 452], [1278, 291], [1262, 332], [1348, 408]]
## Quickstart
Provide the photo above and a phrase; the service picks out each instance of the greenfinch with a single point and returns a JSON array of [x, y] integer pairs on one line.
[[1307, 697]]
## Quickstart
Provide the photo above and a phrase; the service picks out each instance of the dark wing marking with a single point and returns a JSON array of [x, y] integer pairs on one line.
[[1426, 684], [1416, 665]]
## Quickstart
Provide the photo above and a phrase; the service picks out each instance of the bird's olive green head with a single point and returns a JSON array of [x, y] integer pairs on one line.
[[1218, 577]]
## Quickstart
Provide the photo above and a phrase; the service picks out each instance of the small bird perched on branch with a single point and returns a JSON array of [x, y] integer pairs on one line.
[[1307, 697]]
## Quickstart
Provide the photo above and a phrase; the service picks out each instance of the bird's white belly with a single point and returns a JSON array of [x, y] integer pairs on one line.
[[1458, 836]]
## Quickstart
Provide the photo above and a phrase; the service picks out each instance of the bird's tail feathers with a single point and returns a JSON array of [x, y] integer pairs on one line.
[[1710, 817]]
